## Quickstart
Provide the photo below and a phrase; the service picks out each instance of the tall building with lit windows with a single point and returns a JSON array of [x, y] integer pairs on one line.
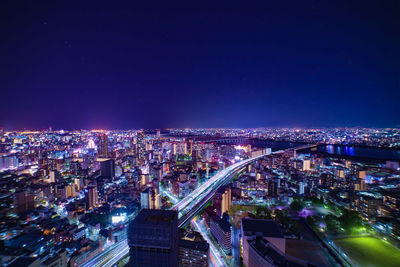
[[193, 250], [103, 145], [92, 196], [141, 144], [221, 230], [226, 200], [23, 201], [189, 147]]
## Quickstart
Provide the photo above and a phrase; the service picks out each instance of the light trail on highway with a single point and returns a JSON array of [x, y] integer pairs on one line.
[[215, 255], [109, 256], [212, 182], [189, 206]]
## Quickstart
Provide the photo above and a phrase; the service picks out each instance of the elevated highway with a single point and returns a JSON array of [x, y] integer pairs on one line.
[[194, 202], [187, 209]]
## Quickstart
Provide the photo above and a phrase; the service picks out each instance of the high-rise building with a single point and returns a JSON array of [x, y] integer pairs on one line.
[[149, 146], [221, 230], [306, 165], [179, 148], [107, 168], [141, 144], [144, 180], [78, 184], [302, 186], [103, 145], [193, 250], [92, 196], [149, 199], [217, 203], [226, 200], [8, 162], [62, 192], [145, 198], [153, 238], [23, 201], [189, 147], [71, 190], [272, 189], [53, 176], [155, 200]]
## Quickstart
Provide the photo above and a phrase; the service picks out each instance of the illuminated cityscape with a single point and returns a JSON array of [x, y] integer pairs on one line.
[[229, 196], [199, 134]]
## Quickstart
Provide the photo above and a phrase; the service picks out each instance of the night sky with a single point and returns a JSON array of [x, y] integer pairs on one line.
[[121, 66]]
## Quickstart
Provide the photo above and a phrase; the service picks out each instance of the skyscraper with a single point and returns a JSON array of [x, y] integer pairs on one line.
[[154, 200], [23, 201], [107, 168], [221, 230], [217, 203], [189, 147], [226, 200], [103, 145], [92, 196], [153, 238], [149, 199], [306, 165], [144, 198], [141, 144], [272, 189], [53, 176]]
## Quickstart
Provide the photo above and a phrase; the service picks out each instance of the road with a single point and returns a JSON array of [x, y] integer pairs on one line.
[[216, 258], [235, 246], [195, 201], [187, 209], [109, 256]]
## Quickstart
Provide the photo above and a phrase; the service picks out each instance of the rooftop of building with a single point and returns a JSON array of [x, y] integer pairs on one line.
[[149, 216], [225, 226], [23, 261], [195, 245], [267, 251], [268, 228], [103, 159]]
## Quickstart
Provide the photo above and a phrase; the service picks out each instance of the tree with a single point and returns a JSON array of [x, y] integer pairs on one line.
[[281, 216], [331, 223], [316, 201], [263, 212], [296, 205], [350, 219], [311, 221], [295, 228]]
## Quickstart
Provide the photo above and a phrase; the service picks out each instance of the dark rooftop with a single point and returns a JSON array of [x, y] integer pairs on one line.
[[195, 245], [22, 261], [149, 216], [225, 226], [268, 228]]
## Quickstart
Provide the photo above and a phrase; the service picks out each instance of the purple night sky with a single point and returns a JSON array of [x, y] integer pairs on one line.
[[95, 64]]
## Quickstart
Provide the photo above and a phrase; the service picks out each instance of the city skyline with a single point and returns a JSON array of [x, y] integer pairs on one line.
[[204, 197], [207, 134], [306, 64]]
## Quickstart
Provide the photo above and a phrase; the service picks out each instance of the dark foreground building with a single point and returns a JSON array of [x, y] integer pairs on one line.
[[193, 250], [153, 238]]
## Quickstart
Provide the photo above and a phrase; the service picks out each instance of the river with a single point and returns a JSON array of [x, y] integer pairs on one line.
[[370, 153]]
